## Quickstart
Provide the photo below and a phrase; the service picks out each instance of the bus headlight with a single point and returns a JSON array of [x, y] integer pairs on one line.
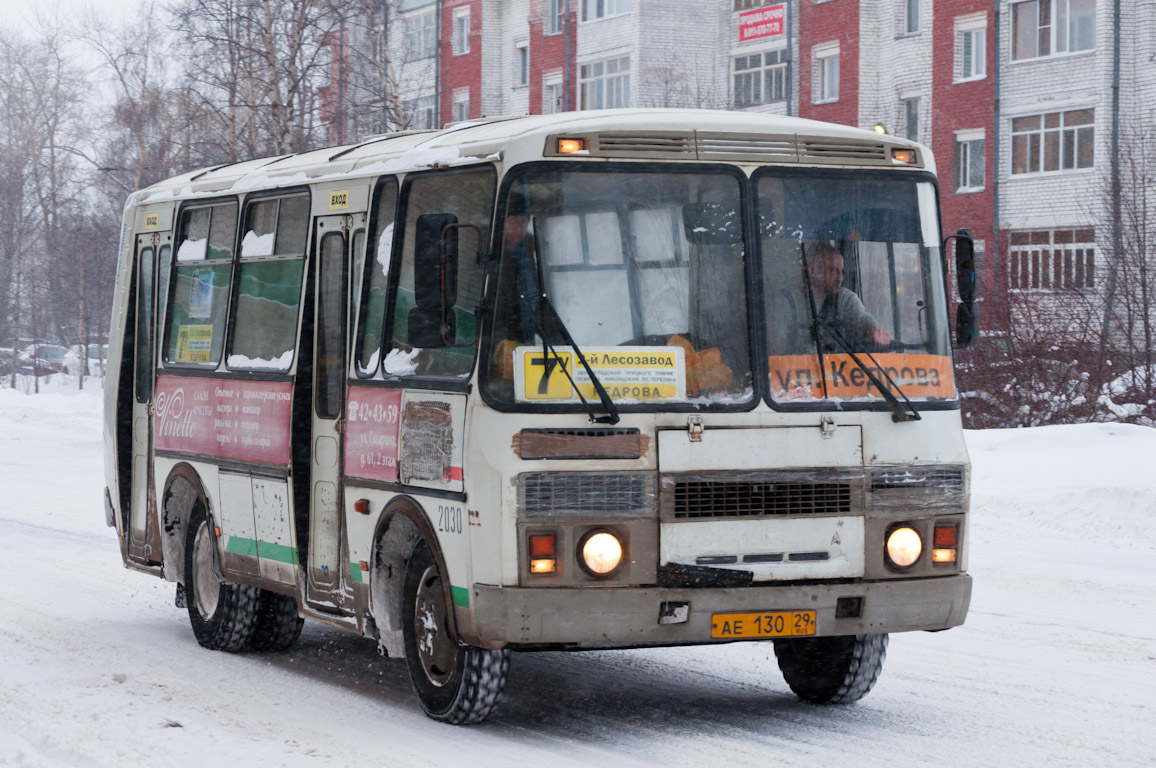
[[600, 553], [904, 546]]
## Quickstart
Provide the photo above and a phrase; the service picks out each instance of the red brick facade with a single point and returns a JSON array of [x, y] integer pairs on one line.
[[548, 53], [464, 70], [830, 22]]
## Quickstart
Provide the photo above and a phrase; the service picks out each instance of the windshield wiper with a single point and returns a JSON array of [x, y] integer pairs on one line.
[[898, 410], [548, 349]]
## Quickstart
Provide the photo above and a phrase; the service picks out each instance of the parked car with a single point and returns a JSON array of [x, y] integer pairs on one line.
[[42, 359], [96, 354]]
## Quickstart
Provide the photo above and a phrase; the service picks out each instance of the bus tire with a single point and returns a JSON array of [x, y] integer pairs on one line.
[[455, 683], [278, 625], [831, 670], [223, 615]]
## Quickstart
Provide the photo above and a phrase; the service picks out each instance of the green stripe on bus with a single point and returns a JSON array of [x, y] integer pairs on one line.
[[278, 552], [238, 545], [461, 597], [355, 572]]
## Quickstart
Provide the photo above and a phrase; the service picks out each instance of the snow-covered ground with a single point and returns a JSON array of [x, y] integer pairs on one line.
[[1056, 665]]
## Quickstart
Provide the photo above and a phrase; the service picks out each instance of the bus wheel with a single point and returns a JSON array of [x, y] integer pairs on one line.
[[831, 670], [278, 625], [223, 615], [455, 683]]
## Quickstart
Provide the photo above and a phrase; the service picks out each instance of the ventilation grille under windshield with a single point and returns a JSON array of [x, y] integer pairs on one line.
[[711, 499]]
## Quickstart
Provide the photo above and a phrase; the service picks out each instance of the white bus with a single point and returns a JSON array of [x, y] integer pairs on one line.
[[579, 381]]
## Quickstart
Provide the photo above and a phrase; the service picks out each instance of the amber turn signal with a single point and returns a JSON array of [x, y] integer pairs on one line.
[[905, 156], [542, 558], [361, 506], [571, 146]]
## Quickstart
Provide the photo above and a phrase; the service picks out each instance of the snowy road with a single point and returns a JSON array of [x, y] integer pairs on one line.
[[1055, 666]]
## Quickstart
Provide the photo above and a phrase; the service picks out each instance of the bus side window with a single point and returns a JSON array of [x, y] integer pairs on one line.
[[375, 280], [468, 196], [201, 275], [269, 285]]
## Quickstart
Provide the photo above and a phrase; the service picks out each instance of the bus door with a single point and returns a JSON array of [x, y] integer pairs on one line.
[[144, 541], [326, 530]]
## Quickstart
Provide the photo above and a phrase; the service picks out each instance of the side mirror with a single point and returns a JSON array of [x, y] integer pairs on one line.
[[966, 327], [710, 223]]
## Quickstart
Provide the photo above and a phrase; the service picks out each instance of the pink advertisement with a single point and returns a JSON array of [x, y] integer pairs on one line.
[[371, 430], [770, 21], [226, 418]]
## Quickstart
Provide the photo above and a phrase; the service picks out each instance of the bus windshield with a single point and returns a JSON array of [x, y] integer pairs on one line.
[[854, 287], [645, 270]]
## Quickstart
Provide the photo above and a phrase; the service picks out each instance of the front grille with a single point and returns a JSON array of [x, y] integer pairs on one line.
[[595, 493], [695, 499]]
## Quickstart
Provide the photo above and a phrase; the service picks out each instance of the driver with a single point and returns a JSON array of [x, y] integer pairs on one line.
[[836, 306]]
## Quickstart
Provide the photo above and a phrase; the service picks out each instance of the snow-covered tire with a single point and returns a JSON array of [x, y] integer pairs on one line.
[[831, 670], [278, 625], [455, 683], [223, 615]]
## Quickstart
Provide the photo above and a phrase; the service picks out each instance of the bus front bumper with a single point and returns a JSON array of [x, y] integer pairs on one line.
[[603, 617]]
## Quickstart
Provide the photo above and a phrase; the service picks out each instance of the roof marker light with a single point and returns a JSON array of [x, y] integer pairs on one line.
[[571, 146]]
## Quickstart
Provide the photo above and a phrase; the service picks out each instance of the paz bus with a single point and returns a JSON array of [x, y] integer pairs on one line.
[[583, 381]]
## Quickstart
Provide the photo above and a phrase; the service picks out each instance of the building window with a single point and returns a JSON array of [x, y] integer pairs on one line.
[[552, 94], [760, 78], [1050, 27], [742, 5], [1056, 141], [600, 9], [521, 65], [419, 112], [421, 36], [910, 16], [1052, 260], [461, 104], [911, 119], [555, 20], [970, 50], [969, 162], [825, 74], [605, 84], [461, 36]]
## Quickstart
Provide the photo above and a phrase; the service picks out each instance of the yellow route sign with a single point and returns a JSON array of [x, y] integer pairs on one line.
[[627, 373]]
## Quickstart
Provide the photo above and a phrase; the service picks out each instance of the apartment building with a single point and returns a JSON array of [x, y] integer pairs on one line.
[[1021, 101]]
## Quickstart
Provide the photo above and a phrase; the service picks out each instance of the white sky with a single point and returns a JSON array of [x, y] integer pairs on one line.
[[21, 16]]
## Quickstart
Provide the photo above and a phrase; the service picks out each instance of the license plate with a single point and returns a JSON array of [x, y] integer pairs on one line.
[[744, 626]]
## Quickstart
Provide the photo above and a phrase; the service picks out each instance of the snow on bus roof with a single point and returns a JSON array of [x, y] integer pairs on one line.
[[467, 141]]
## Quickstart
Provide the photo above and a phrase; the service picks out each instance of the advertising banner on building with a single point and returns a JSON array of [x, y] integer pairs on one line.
[[225, 418], [769, 22]]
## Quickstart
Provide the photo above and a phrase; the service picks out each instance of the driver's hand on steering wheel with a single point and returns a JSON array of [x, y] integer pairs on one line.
[[881, 337]]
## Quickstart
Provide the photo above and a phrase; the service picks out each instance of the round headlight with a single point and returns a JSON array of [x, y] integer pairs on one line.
[[601, 553], [904, 546]]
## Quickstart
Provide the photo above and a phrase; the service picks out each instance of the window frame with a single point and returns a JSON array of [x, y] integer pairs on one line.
[[1035, 261], [911, 20], [369, 260], [973, 29], [1053, 34], [584, 16], [620, 80], [460, 32], [174, 264], [754, 311], [554, 18], [1042, 132], [421, 25], [521, 64], [235, 288], [425, 381], [964, 145], [822, 57], [457, 101], [776, 73]]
